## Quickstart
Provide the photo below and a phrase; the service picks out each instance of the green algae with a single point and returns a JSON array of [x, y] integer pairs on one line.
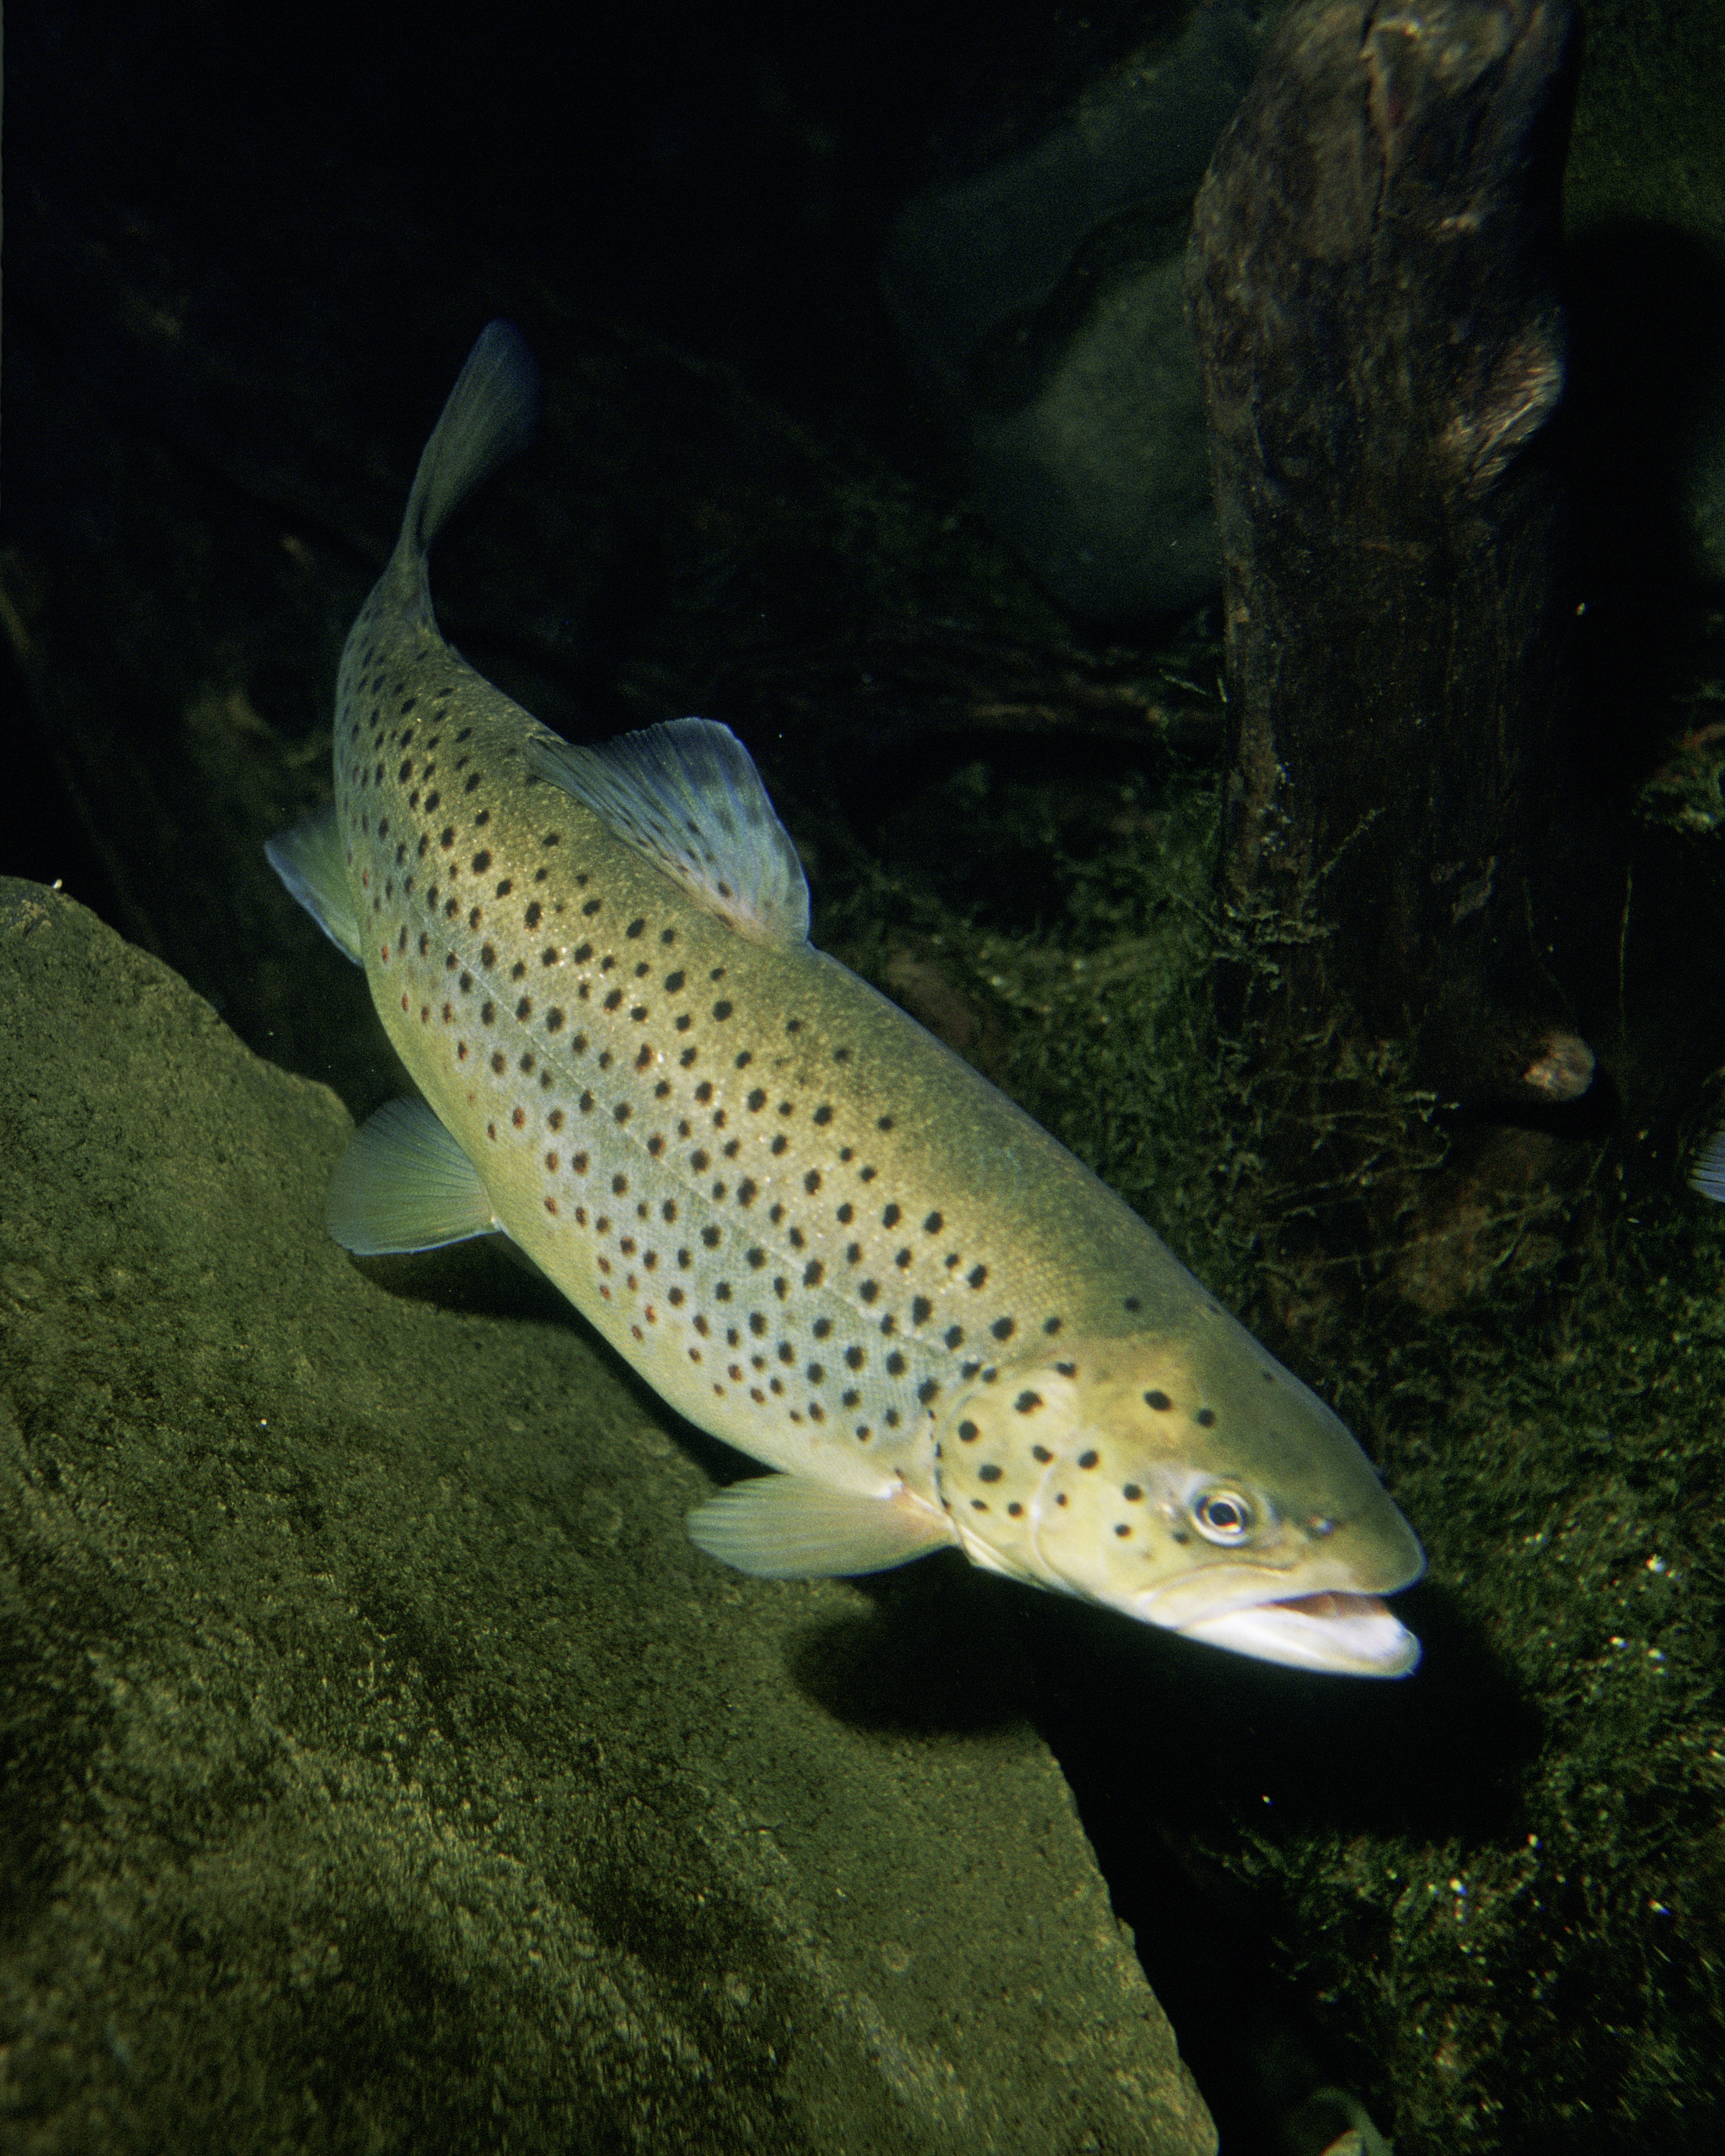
[[1497, 1895], [384, 1770]]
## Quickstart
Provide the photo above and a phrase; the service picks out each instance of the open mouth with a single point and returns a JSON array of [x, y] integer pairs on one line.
[[1345, 1634]]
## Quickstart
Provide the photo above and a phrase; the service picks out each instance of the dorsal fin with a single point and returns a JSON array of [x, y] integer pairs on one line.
[[687, 797]]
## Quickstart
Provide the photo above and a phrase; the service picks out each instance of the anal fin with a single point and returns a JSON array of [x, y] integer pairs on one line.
[[309, 859], [785, 1526]]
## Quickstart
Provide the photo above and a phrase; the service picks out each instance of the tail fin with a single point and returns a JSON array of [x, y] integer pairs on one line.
[[491, 417]]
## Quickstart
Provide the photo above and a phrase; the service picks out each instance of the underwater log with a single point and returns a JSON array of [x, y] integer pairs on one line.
[[1372, 281]]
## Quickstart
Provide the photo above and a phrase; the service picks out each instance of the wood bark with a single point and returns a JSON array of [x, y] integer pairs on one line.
[[1372, 285]]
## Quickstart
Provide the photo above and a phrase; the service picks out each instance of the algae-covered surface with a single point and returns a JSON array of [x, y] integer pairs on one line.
[[383, 1769], [1495, 1888]]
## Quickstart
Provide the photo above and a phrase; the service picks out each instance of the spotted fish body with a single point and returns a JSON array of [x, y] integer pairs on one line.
[[818, 1234]]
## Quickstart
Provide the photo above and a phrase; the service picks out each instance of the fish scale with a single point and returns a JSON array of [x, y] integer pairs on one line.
[[816, 1232], [579, 1020]]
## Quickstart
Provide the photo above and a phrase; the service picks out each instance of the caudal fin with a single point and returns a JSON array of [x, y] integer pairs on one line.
[[491, 417]]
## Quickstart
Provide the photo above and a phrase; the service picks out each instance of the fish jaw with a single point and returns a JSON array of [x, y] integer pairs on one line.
[[1337, 1635], [1188, 1483], [1323, 1610]]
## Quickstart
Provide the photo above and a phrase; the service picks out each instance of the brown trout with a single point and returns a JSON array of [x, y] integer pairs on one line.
[[814, 1230]]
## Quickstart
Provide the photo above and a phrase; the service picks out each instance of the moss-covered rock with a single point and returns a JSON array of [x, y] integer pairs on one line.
[[383, 1768]]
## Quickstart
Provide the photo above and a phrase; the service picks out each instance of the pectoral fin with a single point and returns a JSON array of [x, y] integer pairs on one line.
[[782, 1527]]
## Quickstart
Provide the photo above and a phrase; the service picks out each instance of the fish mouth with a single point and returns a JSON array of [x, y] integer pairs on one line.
[[1340, 1634]]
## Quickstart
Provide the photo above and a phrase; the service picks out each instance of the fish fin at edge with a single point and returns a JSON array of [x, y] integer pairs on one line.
[[311, 860], [686, 794], [405, 1184], [785, 1526], [1707, 1176]]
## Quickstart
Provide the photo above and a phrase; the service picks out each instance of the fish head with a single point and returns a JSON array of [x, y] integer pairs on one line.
[[1192, 1482]]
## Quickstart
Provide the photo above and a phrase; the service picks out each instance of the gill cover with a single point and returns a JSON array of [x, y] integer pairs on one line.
[[1214, 1497]]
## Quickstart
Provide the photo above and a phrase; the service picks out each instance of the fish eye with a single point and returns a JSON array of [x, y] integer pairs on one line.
[[1224, 1515]]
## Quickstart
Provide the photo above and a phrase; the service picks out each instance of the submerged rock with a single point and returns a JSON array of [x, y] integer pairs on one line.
[[1041, 298], [385, 1769]]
